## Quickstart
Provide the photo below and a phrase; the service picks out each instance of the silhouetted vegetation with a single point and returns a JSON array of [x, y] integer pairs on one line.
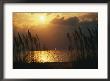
[[23, 43], [85, 46]]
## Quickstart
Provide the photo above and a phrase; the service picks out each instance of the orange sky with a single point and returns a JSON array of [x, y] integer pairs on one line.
[[51, 27], [21, 19]]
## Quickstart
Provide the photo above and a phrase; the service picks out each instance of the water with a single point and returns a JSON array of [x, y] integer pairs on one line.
[[61, 59], [47, 56]]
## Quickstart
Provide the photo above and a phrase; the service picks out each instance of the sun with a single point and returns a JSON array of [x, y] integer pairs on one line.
[[42, 19]]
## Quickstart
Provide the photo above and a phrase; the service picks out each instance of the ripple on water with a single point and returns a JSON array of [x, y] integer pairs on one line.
[[48, 56]]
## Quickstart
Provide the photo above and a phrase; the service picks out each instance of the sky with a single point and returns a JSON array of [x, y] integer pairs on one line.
[[52, 27]]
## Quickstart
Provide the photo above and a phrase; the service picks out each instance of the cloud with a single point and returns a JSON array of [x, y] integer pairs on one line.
[[58, 20], [89, 17], [74, 21], [71, 21]]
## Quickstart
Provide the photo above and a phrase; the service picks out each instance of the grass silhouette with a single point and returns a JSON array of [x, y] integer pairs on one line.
[[86, 47]]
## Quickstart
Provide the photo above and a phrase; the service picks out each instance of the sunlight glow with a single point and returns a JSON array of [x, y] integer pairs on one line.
[[45, 57], [24, 20], [42, 19]]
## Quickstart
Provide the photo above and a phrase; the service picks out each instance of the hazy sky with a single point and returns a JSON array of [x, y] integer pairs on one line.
[[52, 27], [21, 19]]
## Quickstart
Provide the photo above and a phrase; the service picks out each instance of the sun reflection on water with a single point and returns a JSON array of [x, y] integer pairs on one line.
[[48, 56], [43, 56]]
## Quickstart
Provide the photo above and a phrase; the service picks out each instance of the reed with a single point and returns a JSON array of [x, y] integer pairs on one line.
[[23, 43], [86, 46]]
